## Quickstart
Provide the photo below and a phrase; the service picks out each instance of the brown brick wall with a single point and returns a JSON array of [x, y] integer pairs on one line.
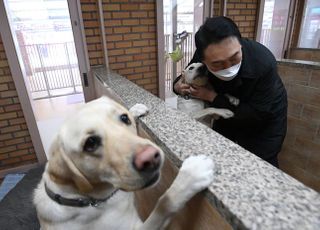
[[243, 13], [305, 54], [217, 7], [90, 15], [131, 40], [300, 154], [130, 28], [16, 148]]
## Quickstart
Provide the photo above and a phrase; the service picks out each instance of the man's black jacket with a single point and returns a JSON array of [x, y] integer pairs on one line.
[[260, 120]]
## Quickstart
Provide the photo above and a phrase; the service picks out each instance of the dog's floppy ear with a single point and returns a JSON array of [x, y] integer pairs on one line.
[[61, 165], [79, 179]]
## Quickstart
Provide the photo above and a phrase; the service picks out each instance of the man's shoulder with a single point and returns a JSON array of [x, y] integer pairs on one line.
[[255, 47], [258, 55]]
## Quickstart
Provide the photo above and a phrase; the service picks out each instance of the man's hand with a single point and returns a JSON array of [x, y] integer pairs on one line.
[[182, 88], [203, 93]]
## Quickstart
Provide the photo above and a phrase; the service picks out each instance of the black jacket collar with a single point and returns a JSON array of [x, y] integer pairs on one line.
[[246, 70]]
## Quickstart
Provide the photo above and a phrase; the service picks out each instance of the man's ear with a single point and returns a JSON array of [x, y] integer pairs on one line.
[[203, 70], [61, 164]]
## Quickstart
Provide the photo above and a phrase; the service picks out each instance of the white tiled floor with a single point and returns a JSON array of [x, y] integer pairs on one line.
[[50, 114]]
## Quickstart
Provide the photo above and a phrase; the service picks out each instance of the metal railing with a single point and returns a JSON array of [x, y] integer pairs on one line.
[[187, 48], [52, 69]]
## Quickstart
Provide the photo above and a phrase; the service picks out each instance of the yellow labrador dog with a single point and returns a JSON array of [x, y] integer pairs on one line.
[[96, 163]]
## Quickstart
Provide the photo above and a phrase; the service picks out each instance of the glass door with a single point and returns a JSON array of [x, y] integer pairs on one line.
[[181, 20], [43, 36], [310, 27], [274, 25]]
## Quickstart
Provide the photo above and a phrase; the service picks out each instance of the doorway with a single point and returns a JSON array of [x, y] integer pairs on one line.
[[274, 25], [49, 56], [181, 20]]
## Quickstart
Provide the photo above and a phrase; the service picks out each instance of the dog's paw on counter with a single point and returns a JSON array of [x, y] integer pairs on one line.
[[195, 175], [138, 110], [199, 170]]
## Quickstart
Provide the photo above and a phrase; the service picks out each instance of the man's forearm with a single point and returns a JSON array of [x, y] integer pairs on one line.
[[245, 115]]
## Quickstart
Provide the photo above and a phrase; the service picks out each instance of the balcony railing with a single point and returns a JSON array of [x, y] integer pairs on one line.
[[52, 69]]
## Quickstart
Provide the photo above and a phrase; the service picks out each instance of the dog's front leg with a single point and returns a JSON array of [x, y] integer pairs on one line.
[[196, 174], [225, 113]]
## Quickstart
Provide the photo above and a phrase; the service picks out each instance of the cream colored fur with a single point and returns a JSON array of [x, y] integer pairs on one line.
[[74, 173], [195, 107]]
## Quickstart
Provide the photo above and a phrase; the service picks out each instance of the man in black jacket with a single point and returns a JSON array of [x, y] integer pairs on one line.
[[247, 70]]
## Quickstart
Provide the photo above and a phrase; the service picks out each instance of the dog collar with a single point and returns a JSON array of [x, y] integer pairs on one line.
[[188, 97], [79, 202]]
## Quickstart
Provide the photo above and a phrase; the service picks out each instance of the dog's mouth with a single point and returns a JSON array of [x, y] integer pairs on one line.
[[152, 180], [147, 182]]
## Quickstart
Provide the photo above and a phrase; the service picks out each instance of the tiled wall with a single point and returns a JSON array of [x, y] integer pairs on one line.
[[16, 148], [300, 156], [217, 7], [90, 15], [305, 54], [244, 14], [130, 28]]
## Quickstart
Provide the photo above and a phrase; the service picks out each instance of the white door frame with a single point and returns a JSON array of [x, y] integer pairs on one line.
[[259, 26], [81, 49], [289, 29], [207, 9], [17, 72], [160, 41]]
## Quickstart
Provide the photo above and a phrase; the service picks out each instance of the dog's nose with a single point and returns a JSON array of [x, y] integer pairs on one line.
[[148, 160]]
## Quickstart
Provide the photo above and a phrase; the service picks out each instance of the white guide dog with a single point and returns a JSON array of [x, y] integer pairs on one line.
[[194, 75]]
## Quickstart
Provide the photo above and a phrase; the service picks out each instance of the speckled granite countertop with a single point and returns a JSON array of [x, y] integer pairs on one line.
[[247, 192], [299, 63]]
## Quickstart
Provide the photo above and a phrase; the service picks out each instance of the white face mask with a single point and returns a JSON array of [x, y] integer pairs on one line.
[[227, 74]]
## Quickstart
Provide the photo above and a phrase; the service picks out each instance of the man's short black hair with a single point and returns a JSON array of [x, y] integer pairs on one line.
[[213, 31]]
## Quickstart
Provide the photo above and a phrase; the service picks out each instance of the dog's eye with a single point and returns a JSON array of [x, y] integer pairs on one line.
[[92, 144], [125, 119], [191, 68]]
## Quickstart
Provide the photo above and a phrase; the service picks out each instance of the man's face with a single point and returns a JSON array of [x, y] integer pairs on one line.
[[223, 55]]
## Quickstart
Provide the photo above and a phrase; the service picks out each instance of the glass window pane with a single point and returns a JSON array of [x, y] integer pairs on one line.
[[310, 28], [274, 25], [44, 34]]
